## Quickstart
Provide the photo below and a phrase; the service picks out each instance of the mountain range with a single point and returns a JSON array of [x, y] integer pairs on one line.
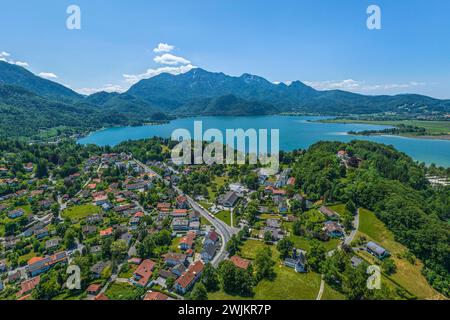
[[39, 104]]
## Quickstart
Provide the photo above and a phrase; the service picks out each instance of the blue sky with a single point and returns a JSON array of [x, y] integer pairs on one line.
[[324, 43]]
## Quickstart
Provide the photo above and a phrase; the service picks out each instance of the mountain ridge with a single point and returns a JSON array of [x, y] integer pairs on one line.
[[29, 100]]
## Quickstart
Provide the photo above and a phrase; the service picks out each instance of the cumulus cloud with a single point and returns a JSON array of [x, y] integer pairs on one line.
[[163, 47], [22, 64], [170, 59], [105, 88], [132, 79], [48, 75], [5, 56], [360, 86]]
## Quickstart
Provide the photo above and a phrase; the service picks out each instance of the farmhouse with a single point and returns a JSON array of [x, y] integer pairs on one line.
[[297, 261], [328, 212], [229, 199], [377, 250]]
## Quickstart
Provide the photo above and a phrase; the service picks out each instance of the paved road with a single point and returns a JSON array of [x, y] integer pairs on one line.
[[347, 241], [352, 234], [224, 230], [322, 286]]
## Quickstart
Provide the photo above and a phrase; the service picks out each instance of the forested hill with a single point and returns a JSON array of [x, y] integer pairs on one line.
[[14, 75], [26, 114], [394, 187], [35, 104]]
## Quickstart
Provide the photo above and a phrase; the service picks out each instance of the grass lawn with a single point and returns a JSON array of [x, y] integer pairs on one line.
[[288, 285], [331, 294], [250, 247], [305, 243], [69, 295], [408, 275], [266, 216], [218, 182], [80, 212], [339, 208], [205, 204], [175, 244], [123, 291], [204, 221], [24, 259], [225, 216], [129, 273]]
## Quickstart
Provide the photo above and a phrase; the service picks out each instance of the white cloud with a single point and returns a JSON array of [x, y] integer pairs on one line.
[[170, 59], [106, 88], [360, 86], [48, 75], [132, 79], [22, 64], [163, 47], [5, 56]]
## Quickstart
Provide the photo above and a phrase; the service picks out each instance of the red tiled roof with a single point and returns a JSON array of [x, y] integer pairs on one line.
[[240, 262], [29, 285], [106, 232], [34, 260], [186, 278], [139, 214], [155, 296], [163, 205], [101, 296], [179, 211], [213, 236], [144, 271], [279, 191], [291, 181], [24, 297], [94, 288]]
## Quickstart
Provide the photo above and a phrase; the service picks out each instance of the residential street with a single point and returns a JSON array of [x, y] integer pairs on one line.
[[224, 230]]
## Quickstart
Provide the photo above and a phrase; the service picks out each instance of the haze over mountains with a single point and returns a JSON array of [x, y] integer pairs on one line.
[[43, 104]]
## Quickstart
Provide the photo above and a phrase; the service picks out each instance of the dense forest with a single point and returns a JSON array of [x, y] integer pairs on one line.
[[394, 187]]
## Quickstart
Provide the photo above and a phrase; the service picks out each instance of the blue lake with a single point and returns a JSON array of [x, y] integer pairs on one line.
[[295, 132]]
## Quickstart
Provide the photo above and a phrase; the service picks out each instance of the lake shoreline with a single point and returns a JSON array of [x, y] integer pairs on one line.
[[295, 132], [393, 124]]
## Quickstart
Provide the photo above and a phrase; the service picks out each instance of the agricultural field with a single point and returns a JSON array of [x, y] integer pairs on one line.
[[408, 274]]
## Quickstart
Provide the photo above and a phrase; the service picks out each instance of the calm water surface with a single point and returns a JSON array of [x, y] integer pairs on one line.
[[295, 132]]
